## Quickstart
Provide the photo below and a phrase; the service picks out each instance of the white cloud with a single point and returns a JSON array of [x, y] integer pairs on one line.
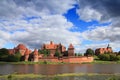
[[40, 30], [16, 8], [49, 23], [89, 14]]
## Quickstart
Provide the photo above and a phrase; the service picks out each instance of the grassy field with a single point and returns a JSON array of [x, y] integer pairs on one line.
[[66, 76]]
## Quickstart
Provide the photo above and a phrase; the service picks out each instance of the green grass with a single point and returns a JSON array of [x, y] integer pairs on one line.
[[30, 62], [16, 76]]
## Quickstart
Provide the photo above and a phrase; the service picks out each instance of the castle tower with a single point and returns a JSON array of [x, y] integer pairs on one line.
[[35, 55], [109, 49], [70, 50], [21, 48], [27, 52]]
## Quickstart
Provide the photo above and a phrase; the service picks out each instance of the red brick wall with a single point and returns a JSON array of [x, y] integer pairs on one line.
[[69, 59]]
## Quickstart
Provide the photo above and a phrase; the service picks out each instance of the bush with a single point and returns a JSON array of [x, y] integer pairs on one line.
[[14, 58], [89, 52], [3, 54], [104, 57], [118, 57], [109, 57], [113, 57]]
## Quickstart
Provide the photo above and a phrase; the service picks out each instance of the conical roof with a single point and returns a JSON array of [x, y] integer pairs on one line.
[[21, 46], [71, 46]]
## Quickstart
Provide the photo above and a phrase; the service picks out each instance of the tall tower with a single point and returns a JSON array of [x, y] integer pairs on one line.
[[109, 49], [35, 55], [70, 50]]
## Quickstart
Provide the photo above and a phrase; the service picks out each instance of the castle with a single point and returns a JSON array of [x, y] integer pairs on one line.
[[58, 47], [52, 48], [103, 50]]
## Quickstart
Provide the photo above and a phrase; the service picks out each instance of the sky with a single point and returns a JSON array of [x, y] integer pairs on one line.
[[84, 23]]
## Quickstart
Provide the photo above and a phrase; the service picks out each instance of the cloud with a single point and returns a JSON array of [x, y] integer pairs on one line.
[[36, 22], [48, 29], [103, 11], [16, 8]]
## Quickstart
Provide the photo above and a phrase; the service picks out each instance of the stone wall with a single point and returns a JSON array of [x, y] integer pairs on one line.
[[69, 59]]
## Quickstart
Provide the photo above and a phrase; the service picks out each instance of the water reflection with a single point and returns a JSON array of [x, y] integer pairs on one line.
[[59, 68]]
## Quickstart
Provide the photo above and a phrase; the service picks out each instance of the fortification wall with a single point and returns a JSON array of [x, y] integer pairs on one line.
[[69, 59]]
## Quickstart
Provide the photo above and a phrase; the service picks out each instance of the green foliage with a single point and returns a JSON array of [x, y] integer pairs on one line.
[[109, 57], [113, 57], [89, 52], [118, 53], [45, 52], [3, 54], [14, 58], [118, 57], [55, 78], [78, 54], [40, 51], [9, 77], [104, 57], [113, 78], [57, 54]]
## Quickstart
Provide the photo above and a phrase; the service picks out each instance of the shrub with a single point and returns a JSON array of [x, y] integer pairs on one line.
[[89, 52], [118, 57], [113, 57], [104, 57], [14, 58]]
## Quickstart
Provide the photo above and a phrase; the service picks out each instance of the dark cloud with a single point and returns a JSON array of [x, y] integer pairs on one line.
[[108, 8], [18, 8]]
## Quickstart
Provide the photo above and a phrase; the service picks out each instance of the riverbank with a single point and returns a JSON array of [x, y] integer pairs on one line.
[[30, 62], [103, 62], [47, 62], [65, 76]]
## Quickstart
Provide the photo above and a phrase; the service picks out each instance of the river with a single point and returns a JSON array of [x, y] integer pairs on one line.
[[49, 69]]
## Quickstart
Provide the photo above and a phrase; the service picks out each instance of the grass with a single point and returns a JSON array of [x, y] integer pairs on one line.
[[16, 76], [30, 62]]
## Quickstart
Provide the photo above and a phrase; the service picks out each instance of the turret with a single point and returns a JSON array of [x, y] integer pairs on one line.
[[35, 55], [70, 50], [27, 52]]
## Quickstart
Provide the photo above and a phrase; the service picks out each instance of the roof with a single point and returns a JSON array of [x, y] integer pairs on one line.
[[35, 52], [71, 46], [27, 52], [51, 45], [21, 46]]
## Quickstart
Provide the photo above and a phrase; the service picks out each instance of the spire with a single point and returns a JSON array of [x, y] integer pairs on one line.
[[51, 42], [71, 46]]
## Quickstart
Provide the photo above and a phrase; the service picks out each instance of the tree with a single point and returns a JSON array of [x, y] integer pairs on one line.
[[4, 54], [104, 57], [89, 52], [46, 52], [57, 54], [119, 53], [14, 58]]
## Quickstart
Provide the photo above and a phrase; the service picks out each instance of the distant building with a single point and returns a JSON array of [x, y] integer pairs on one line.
[[58, 47], [51, 47], [103, 50], [22, 49]]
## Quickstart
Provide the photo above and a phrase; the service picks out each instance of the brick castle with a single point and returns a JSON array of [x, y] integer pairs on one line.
[[37, 55], [108, 49]]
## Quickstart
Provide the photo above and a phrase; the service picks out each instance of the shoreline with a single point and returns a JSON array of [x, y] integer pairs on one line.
[[41, 62]]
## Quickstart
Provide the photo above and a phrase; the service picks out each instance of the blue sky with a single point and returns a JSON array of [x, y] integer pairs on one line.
[[82, 23]]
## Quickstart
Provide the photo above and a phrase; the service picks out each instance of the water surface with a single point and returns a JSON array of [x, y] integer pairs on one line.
[[48, 69]]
